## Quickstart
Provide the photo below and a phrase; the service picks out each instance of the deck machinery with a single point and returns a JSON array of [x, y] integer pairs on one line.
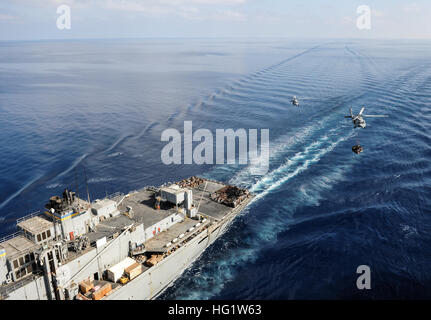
[[146, 238]]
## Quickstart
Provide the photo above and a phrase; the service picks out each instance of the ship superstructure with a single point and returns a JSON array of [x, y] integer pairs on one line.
[[126, 246]]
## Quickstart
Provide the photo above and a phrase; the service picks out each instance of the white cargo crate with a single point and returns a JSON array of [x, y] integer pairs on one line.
[[116, 272]]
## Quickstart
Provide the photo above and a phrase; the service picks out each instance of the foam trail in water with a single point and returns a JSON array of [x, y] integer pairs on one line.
[[73, 166], [272, 224], [299, 163], [279, 149], [17, 193]]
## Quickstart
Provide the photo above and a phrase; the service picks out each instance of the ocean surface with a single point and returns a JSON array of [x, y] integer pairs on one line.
[[320, 211]]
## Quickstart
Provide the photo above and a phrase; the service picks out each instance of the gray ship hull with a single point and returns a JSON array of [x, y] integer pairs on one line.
[[155, 280]]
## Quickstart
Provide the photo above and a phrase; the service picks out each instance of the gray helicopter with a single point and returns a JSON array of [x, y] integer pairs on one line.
[[295, 101], [358, 120]]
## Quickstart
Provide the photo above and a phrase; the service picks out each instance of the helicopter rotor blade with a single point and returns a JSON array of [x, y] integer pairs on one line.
[[360, 112], [375, 115]]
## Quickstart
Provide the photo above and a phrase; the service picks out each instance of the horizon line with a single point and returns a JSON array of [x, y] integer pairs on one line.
[[211, 38]]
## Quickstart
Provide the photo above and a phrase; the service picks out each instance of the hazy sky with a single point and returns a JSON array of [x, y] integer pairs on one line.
[[36, 19]]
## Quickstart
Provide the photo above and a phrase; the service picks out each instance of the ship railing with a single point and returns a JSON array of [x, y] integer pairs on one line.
[[151, 188], [114, 195], [11, 236], [119, 194], [31, 215], [135, 191], [4, 291]]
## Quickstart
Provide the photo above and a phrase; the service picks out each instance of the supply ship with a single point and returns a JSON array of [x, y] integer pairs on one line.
[[122, 247]]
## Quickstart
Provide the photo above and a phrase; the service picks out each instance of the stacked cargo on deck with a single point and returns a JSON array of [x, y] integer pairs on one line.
[[86, 286], [230, 195], [101, 291], [90, 291], [191, 182], [133, 271], [155, 258]]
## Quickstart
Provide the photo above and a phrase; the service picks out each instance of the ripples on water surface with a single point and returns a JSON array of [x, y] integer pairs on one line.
[[320, 211]]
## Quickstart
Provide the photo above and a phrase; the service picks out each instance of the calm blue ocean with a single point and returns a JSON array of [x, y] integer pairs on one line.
[[321, 210]]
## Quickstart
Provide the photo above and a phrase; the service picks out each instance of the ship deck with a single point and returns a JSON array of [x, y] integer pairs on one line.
[[158, 243], [142, 204], [208, 207], [17, 246]]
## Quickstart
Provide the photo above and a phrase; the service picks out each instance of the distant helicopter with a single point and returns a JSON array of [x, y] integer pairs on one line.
[[358, 121], [295, 101]]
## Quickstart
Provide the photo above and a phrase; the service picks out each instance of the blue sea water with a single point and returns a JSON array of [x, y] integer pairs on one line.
[[320, 211]]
